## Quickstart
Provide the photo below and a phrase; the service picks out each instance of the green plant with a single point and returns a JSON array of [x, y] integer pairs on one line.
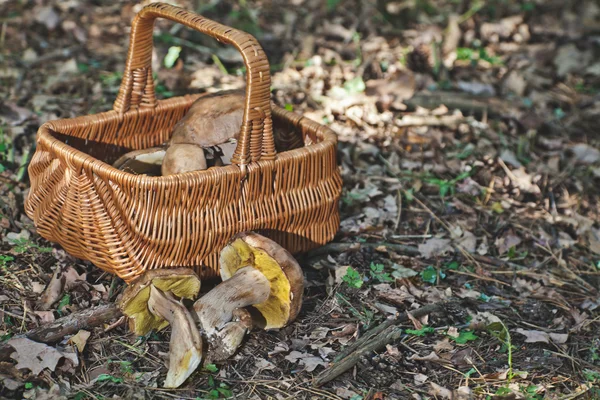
[[21, 245], [531, 392], [218, 390], [366, 317], [4, 260], [355, 85], [210, 368], [431, 274], [448, 185], [377, 273], [353, 278], [500, 331], [4, 149], [64, 301], [475, 55], [124, 366], [108, 377], [464, 337], [172, 56], [591, 376], [420, 332]]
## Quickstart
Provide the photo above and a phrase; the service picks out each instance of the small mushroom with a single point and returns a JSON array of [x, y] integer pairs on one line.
[[142, 162], [256, 272], [185, 347], [182, 282], [212, 120]]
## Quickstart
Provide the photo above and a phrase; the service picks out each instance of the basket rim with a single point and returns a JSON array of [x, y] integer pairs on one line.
[[78, 157]]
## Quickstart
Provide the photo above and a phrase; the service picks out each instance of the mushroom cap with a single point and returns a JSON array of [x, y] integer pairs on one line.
[[211, 120], [145, 161], [278, 266], [182, 282], [180, 158]]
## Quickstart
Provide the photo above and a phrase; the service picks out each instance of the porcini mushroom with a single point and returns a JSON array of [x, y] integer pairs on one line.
[[182, 282], [146, 161], [256, 272], [212, 120], [185, 347]]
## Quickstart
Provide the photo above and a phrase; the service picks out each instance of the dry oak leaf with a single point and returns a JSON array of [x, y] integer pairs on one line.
[[37, 356], [440, 391], [308, 360], [434, 247], [533, 336]]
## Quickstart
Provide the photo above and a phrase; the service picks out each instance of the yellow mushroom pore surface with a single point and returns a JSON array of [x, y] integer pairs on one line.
[[144, 320], [276, 310], [186, 287], [137, 309]]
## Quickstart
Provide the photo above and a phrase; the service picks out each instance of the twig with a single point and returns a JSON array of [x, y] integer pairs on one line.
[[430, 120], [404, 249], [373, 340], [459, 101], [68, 325], [341, 247]]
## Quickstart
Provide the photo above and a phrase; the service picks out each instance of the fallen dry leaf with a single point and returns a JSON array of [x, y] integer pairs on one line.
[[262, 364], [468, 241], [443, 345], [585, 154], [508, 240], [309, 361], [593, 237], [420, 379], [346, 393], [37, 356], [72, 277], [80, 339], [534, 336], [45, 316], [463, 358], [393, 295], [439, 391], [53, 291], [429, 357], [435, 247], [524, 181], [453, 332]]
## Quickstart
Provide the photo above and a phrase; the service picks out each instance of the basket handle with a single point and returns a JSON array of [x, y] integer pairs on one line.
[[255, 141]]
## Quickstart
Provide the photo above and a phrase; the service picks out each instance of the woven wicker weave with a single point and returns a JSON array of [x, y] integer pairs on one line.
[[126, 223]]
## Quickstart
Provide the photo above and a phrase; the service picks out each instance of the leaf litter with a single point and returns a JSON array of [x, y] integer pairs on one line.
[[470, 164]]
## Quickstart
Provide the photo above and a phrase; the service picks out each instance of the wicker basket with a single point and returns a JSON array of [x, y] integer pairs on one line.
[[126, 223]]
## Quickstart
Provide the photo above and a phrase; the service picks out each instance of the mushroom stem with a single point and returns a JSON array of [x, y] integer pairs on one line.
[[215, 309], [225, 342], [185, 347]]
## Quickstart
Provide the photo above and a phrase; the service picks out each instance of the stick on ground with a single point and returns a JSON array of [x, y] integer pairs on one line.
[[68, 325], [373, 340]]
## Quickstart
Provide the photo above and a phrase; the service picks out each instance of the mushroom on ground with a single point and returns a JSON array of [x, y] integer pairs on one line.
[[185, 347], [212, 120], [149, 304], [182, 282], [256, 272], [142, 162]]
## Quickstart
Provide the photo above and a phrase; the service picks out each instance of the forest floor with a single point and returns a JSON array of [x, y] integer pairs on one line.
[[470, 154]]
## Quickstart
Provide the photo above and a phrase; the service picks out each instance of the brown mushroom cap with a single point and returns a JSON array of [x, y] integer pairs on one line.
[[182, 282], [180, 158], [212, 119], [278, 266]]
